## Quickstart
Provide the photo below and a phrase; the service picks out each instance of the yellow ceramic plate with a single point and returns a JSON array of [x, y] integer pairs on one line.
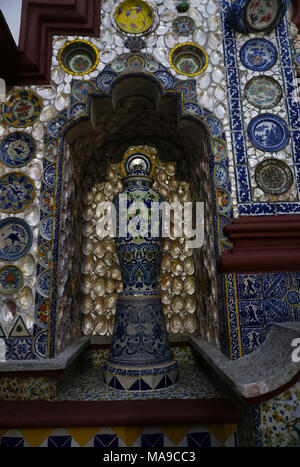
[[134, 16]]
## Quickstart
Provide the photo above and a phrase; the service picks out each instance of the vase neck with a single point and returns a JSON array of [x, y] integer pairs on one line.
[[137, 181]]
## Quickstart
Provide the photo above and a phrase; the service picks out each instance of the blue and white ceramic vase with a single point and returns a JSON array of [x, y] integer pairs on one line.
[[140, 357], [256, 16]]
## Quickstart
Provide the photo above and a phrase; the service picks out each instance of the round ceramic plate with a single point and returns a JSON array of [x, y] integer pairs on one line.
[[273, 176], [44, 254], [219, 148], [258, 54], [76, 109], [214, 125], [192, 108], [15, 238], [41, 313], [47, 201], [262, 15], [17, 149], [11, 279], [104, 80], [221, 174], [17, 191], [50, 150], [223, 200], [268, 132], [188, 88], [55, 125], [46, 227], [188, 59], [49, 175], [183, 25], [22, 108], [135, 62], [263, 92], [40, 344], [78, 57], [151, 64], [43, 283], [134, 16], [166, 78], [81, 88]]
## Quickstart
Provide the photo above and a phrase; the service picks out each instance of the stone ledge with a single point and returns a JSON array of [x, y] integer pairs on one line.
[[266, 370], [59, 363]]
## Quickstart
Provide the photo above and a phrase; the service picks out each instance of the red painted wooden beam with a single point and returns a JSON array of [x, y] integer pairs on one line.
[[263, 244]]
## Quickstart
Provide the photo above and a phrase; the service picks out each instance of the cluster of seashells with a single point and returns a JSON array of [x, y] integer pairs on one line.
[[101, 279]]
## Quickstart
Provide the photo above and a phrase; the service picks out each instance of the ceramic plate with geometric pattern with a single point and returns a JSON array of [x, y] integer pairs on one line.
[[22, 108], [273, 176]]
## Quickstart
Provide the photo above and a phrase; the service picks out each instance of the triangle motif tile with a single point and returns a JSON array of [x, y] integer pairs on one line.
[[19, 329]]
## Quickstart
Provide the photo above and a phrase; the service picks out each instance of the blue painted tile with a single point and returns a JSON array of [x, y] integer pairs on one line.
[[154, 440], [59, 441], [285, 52], [274, 285], [251, 312], [248, 286], [277, 311], [19, 349], [243, 183], [288, 208], [252, 337], [230, 53], [296, 145], [106, 441], [239, 151], [257, 209]]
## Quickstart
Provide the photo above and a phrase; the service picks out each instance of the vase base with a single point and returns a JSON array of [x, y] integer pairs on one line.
[[141, 379]]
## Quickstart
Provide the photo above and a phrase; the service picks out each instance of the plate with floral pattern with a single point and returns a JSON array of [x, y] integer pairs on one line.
[[15, 238], [183, 25], [134, 16], [41, 313], [50, 150], [47, 201], [17, 191], [22, 108], [80, 88], [17, 149], [263, 91], [273, 176], [268, 132], [11, 279], [258, 54], [44, 254]]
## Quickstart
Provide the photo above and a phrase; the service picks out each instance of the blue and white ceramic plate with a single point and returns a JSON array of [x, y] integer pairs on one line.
[[104, 80], [192, 108], [17, 191], [15, 238], [17, 149], [166, 78], [221, 174], [44, 254], [46, 227], [76, 109], [43, 283], [268, 132], [40, 344], [214, 125], [49, 175], [258, 54], [50, 150], [11, 279], [55, 125]]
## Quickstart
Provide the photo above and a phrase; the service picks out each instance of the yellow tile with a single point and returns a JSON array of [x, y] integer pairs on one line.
[[35, 436], [221, 432], [129, 434], [83, 435], [175, 432]]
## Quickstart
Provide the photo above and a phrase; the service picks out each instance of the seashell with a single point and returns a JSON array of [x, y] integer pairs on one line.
[[87, 247], [35, 170], [164, 190], [171, 168], [88, 197], [186, 197], [27, 265], [88, 213], [174, 197], [116, 273], [110, 246], [162, 176], [184, 186], [190, 324], [108, 188], [61, 101], [166, 244], [47, 113], [26, 298], [166, 262], [111, 301], [175, 249], [189, 267], [173, 184], [188, 251], [99, 287], [87, 266], [177, 286], [87, 325], [87, 229], [86, 305], [171, 39], [100, 268], [189, 285], [110, 285], [166, 298], [177, 304], [99, 250], [86, 284], [99, 197], [190, 304], [108, 259], [111, 323], [177, 267], [175, 324], [165, 281], [32, 215], [101, 325], [119, 286], [99, 305]]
